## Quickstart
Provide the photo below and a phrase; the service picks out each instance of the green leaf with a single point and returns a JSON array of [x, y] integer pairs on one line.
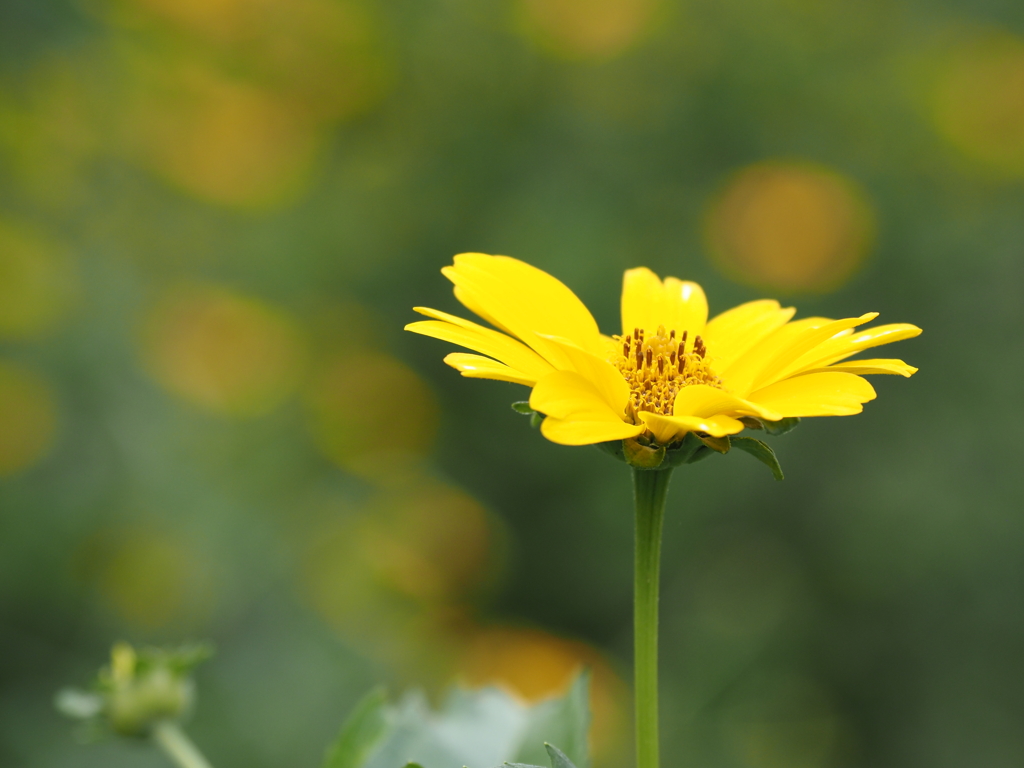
[[361, 733], [558, 758], [782, 426], [479, 728], [760, 451], [536, 419]]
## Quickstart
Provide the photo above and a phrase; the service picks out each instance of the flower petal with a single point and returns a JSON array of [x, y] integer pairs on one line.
[[647, 302], [568, 432], [730, 334], [667, 429], [740, 374], [842, 347], [523, 300], [495, 344], [786, 362], [703, 401], [567, 395], [829, 393], [478, 367], [605, 377], [864, 367]]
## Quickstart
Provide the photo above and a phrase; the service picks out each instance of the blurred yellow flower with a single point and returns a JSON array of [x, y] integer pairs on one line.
[[670, 372]]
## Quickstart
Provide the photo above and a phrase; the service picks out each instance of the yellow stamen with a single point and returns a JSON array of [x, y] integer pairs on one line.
[[653, 387]]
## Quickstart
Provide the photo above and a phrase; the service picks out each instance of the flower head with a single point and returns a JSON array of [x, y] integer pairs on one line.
[[670, 371]]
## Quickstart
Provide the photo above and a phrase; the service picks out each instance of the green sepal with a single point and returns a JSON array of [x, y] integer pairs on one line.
[[642, 454], [782, 426], [760, 451], [720, 444], [683, 452], [700, 454], [613, 448], [523, 407]]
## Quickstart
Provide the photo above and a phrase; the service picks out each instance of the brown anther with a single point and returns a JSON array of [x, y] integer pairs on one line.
[[625, 347], [698, 347], [639, 356], [672, 333], [682, 342], [672, 357], [650, 356]]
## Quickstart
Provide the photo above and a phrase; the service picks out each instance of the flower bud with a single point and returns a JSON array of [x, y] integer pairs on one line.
[[137, 689]]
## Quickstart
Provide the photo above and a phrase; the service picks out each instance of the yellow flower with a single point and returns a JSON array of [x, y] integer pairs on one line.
[[671, 371]]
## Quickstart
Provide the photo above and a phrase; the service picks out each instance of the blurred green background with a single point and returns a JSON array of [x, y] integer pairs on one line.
[[215, 217]]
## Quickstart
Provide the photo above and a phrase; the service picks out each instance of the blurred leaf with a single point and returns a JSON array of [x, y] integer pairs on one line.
[[558, 758], [77, 704], [476, 728], [760, 451], [565, 721], [359, 735]]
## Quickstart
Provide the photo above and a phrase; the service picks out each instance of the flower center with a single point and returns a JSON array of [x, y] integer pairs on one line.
[[657, 367]]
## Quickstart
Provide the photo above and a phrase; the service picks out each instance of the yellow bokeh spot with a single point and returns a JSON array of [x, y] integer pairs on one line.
[[535, 665], [150, 578], [36, 282], [790, 227], [228, 353], [387, 572], [979, 101], [587, 29], [367, 410], [28, 418], [219, 138]]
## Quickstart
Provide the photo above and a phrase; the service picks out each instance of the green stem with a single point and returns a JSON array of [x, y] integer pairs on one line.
[[176, 745], [649, 489]]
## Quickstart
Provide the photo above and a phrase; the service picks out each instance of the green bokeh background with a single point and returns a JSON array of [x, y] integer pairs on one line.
[[305, 169]]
